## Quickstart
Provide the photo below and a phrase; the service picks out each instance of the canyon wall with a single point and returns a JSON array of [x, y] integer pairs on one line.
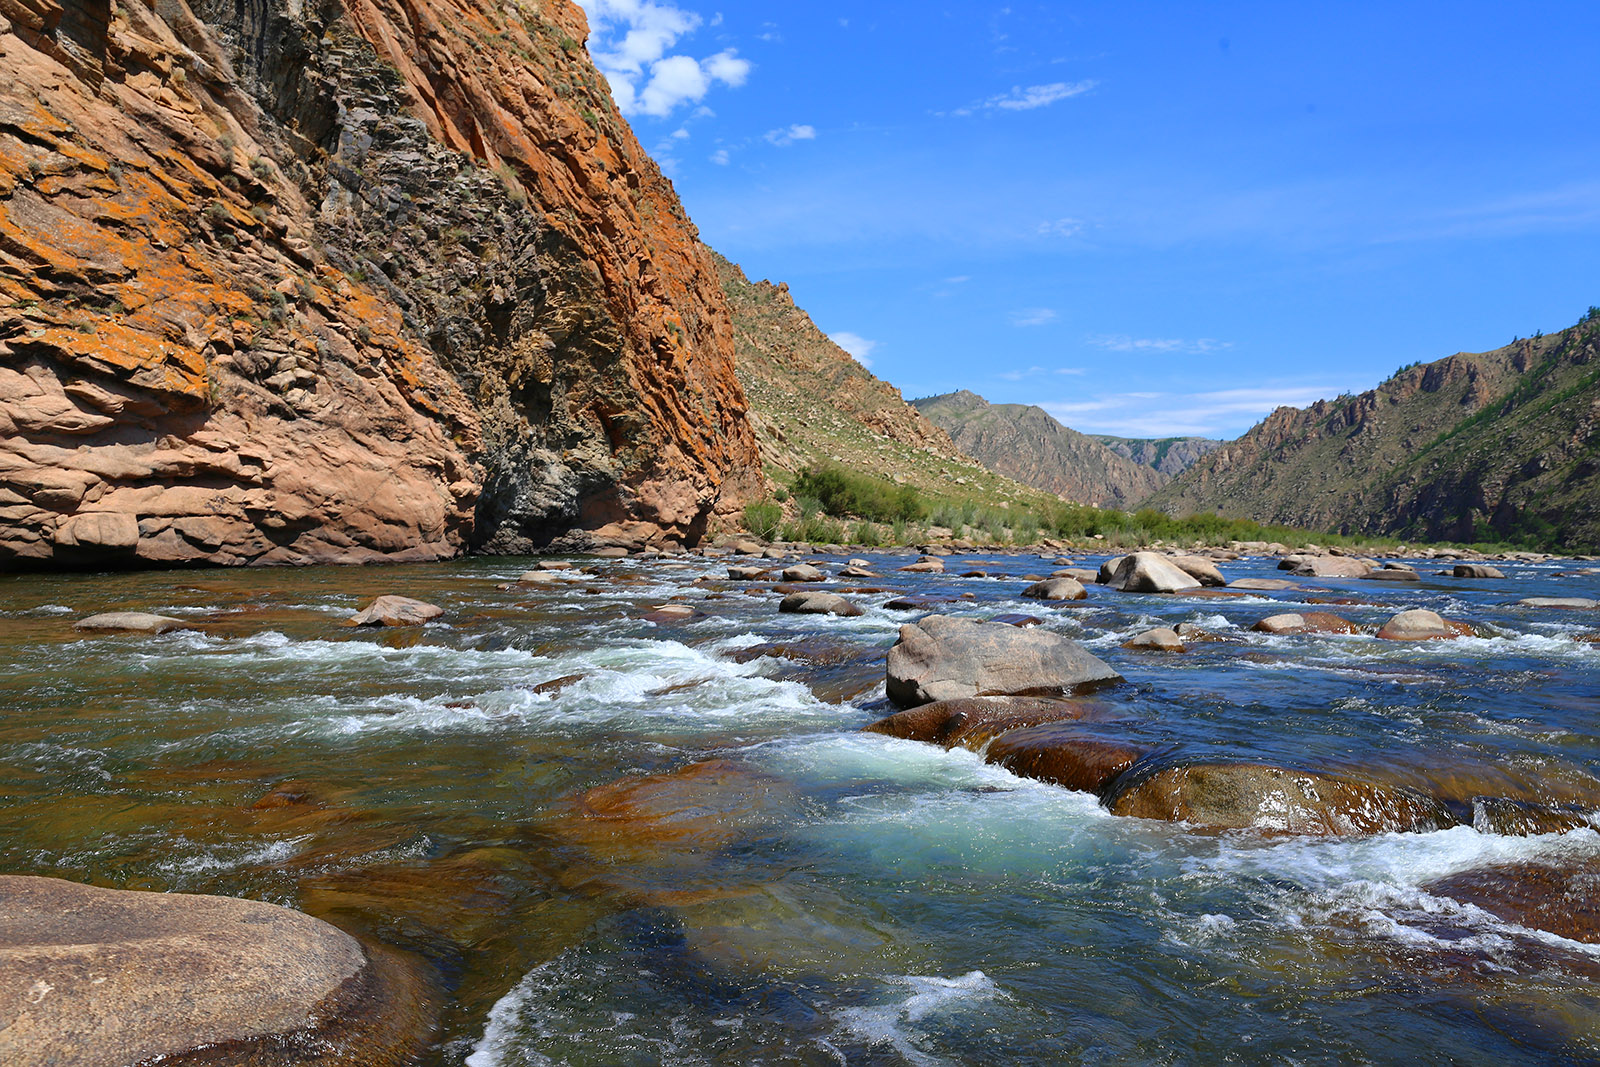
[[289, 282]]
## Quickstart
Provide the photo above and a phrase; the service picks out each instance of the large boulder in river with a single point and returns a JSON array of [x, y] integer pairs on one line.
[[1200, 569], [1330, 567], [945, 658], [1308, 622], [1237, 796], [803, 572], [1061, 754], [129, 622], [1056, 589], [974, 720], [1108, 570], [1419, 624], [1476, 570], [818, 604], [109, 976], [395, 611], [1150, 572]]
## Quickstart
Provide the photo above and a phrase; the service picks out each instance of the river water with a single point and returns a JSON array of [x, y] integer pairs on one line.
[[686, 851]]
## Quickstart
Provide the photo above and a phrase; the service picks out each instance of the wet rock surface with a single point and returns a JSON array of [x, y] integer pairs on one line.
[[946, 658]]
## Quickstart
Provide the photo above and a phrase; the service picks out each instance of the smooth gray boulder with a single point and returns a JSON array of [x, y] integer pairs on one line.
[[129, 622], [803, 572], [946, 658], [1566, 603], [1160, 639], [1476, 570], [818, 604], [1056, 589], [1150, 572], [109, 976], [1108, 570]]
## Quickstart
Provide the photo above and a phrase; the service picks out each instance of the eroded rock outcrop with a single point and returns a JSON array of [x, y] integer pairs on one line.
[[363, 280]]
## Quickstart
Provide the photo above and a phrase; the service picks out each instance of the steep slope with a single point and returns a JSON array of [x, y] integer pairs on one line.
[[811, 401], [1167, 455], [366, 279], [1023, 442], [1501, 444]]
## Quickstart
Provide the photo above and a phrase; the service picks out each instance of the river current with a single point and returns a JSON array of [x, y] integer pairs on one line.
[[610, 836]]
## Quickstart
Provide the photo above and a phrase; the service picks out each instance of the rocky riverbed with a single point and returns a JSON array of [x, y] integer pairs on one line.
[[665, 810]]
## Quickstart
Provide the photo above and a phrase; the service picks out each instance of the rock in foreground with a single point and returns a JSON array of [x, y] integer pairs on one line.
[[106, 976], [945, 658]]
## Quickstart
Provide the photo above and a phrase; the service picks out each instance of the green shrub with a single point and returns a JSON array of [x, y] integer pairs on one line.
[[839, 492], [762, 518], [866, 533]]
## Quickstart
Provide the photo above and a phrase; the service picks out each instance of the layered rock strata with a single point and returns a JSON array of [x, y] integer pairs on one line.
[[340, 282]]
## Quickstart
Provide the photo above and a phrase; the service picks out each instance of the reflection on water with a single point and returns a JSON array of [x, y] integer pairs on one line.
[[612, 840]]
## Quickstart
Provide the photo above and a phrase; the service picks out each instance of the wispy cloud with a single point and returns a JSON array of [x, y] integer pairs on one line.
[[630, 43], [1121, 342], [858, 347], [1060, 227], [1033, 317], [1217, 413], [720, 157], [1029, 98], [1037, 372], [788, 135]]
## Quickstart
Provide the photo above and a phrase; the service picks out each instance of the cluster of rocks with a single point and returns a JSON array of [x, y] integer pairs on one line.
[[1014, 695]]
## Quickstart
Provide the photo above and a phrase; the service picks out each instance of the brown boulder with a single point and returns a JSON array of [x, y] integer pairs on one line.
[[106, 976], [1056, 589], [395, 611], [803, 572], [972, 721], [1228, 796], [1309, 622], [945, 658], [1059, 754], [818, 604], [1419, 624], [1562, 898]]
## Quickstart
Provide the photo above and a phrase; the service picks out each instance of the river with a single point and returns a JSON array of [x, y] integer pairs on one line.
[[684, 850]]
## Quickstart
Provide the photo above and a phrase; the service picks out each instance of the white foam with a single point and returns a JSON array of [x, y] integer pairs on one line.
[[894, 1024]]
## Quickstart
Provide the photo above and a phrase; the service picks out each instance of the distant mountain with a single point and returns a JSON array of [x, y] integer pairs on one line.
[[1024, 442], [811, 401], [1169, 455], [1486, 446]]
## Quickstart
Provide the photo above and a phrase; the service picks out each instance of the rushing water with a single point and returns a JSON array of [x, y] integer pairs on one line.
[[686, 852]]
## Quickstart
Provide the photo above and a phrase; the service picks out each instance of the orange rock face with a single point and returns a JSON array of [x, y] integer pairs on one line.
[[389, 286]]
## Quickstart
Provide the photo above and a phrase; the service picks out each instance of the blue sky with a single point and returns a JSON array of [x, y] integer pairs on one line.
[[1148, 218]]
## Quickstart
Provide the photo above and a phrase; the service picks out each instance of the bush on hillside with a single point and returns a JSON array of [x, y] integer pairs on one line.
[[840, 492]]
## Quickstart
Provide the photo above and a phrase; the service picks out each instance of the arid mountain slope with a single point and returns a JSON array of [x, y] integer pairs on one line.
[[364, 279], [1167, 455], [1501, 444], [1023, 442], [810, 401]]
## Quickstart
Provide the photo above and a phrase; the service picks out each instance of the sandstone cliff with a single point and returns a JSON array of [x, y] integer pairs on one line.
[[1023, 442], [1487, 446], [292, 282]]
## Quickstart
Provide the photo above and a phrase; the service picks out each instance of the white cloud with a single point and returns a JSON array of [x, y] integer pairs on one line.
[[1060, 227], [1218, 413], [1121, 342], [630, 44], [1036, 371], [958, 279], [720, 157], [1033, 317], [853, 343], [786, 136], [1027, 99]]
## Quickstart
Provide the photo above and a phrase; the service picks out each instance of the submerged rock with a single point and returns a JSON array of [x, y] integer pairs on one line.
[[129, 622], [395, 611], [1562, 898], [1264, 584], [1059, 753], [818, 604], [1056, 589], [945, 658], [1237, 796], [972, 721], [108, 976]]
